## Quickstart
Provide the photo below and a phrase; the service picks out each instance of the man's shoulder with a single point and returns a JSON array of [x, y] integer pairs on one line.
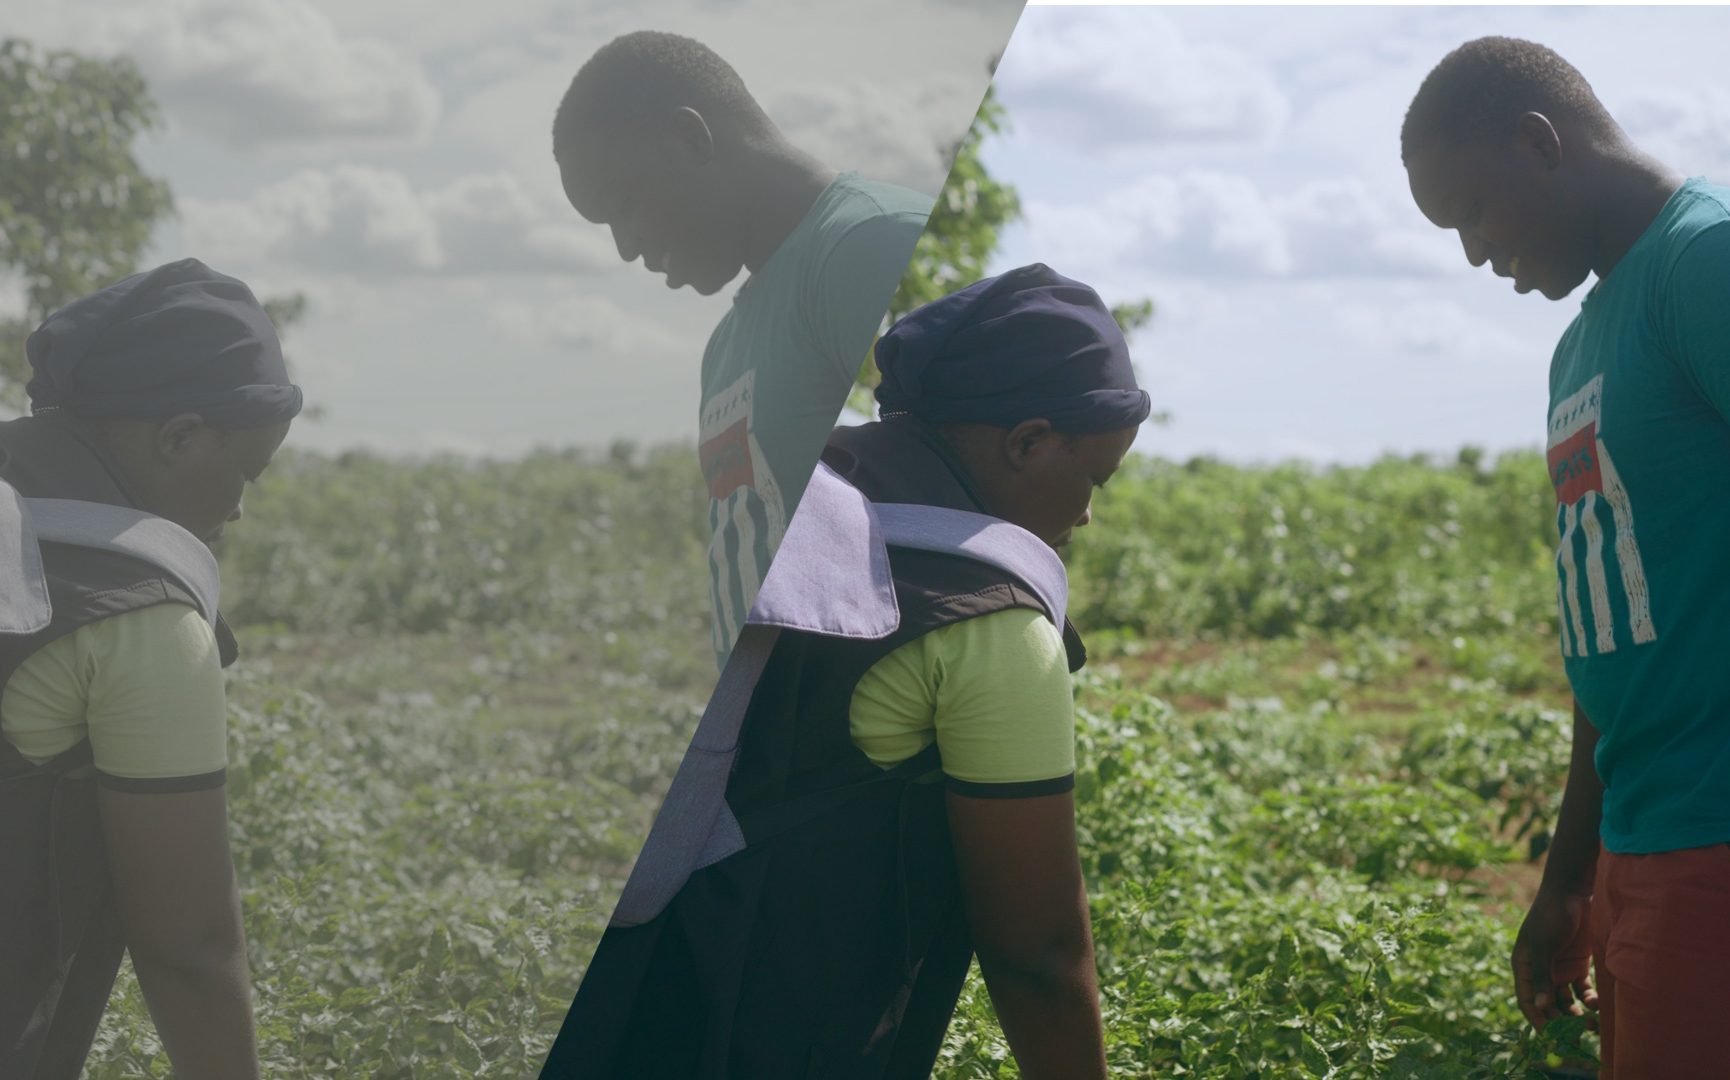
[[1693, 257], [890, 197], [1702, 214], [865, 236], [860, 201], [1709, 202]]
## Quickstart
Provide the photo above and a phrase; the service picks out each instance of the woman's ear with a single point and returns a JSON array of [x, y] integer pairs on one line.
[[176, 435], [1023, 441]]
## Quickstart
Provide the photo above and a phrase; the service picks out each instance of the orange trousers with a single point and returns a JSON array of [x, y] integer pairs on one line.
[[1660, 928]]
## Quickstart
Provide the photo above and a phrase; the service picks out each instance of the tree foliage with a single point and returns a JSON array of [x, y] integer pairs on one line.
[[966, 223], [77, 208]]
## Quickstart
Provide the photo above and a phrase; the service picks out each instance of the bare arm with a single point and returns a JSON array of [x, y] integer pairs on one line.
[[1553, 949], [1573, 855], [180, 906], [1027, 908]]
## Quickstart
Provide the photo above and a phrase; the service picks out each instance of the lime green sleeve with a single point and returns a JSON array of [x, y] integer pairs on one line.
[[145, 686], [995, 694]]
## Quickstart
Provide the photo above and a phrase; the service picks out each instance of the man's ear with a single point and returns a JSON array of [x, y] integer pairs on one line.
[[691, 132], [1538, 136]]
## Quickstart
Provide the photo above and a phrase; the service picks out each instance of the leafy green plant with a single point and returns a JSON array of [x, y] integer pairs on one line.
[[1300, 800]]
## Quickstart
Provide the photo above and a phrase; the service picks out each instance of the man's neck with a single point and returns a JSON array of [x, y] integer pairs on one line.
[[1628, 196], [785, 183]]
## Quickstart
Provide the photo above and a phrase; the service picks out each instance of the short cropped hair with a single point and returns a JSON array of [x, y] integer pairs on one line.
[[1481, 89], [639, 73]]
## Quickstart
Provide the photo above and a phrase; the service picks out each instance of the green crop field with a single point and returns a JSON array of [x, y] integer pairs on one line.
[[1322, 734]]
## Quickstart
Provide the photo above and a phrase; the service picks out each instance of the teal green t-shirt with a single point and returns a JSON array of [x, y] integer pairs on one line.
[[1639, 453], [778, 368]]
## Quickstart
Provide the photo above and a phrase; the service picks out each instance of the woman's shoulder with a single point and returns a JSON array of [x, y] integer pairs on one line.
[[1012, 647], [163, 641]]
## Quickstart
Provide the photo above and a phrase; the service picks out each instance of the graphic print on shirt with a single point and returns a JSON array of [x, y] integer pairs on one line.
[[1590, 499], [746, 514]]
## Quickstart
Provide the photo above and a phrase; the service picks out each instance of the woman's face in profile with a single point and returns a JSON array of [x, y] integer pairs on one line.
[[196, 475], [234, 460], [1043, 480]]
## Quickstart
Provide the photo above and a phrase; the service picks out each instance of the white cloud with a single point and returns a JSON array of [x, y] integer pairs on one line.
[[391, 159], [1182, 303], [358, 219], [896, 133], [1686, 128], [1429, 329], [1129, 77], [1197, 223], [1343, 227], [886, 130], [1208, 224], [491, 222], [496, 62], [258, 72], [587, 325], [455, 28]]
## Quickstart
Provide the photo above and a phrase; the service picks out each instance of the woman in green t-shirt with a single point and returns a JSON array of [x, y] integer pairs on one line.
[[165, 393], [894, 736], [1019, 391]]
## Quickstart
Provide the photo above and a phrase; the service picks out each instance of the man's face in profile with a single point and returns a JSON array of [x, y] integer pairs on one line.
[[658, 193], [1507, 207]]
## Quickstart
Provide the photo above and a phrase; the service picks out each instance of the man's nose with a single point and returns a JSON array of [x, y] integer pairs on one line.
[[627, 243], [1477, 252]]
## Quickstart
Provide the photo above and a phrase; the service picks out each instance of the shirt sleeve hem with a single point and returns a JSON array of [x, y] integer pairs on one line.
[[167, 785], [1019, 789]]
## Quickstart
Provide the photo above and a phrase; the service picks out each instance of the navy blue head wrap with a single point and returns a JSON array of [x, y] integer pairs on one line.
[[181, 338], [1027, 344]]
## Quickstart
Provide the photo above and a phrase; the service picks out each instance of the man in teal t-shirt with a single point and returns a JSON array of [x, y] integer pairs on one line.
[[658, 139], [1506, 143], [1639, 451], [778, 369]]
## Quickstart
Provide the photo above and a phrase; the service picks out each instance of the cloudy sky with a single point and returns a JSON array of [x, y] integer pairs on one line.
[[391, 160], [1241, 167], [1238, 165]]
